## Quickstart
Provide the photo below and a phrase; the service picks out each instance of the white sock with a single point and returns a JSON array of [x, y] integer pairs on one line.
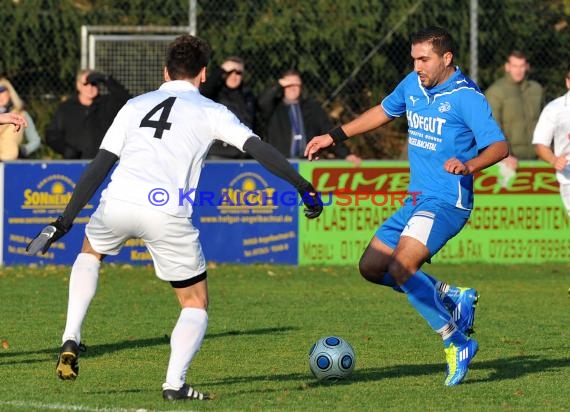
[[82, 287], [186, 339]]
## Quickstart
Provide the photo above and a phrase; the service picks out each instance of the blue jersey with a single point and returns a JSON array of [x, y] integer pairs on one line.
[[452, 119]]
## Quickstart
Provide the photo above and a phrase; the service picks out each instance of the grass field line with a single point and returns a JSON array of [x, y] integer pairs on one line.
[[63, 407]]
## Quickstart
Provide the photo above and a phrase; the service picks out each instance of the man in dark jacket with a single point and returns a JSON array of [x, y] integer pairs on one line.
[[224, 85], [80, 122], [292, 119]]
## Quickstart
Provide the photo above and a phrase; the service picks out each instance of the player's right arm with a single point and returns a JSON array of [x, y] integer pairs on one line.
[[545, 153], [543, 136], [88, 183], [93, 176], [367, 121], [393, 105]]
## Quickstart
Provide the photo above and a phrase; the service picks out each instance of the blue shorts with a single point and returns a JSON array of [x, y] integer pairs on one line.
[[431, 221]]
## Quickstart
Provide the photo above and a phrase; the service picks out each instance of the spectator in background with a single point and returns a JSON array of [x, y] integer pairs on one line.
[[293, 119], [554, 126], [224, 84], [79, 123], [516, 103], [16, 143]]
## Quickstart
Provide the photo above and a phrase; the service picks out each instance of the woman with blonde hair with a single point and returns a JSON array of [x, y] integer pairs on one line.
[[12, 143]]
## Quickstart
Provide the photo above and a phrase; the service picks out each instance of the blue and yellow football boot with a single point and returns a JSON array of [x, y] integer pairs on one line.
[[464, 312], [458, 360]]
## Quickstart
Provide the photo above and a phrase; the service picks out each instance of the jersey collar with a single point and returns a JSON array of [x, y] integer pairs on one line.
[[178, 85], [448, 84]]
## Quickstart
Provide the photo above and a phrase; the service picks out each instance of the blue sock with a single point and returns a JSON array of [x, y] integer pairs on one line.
[[448, 298], [389, 281], [424, 297]]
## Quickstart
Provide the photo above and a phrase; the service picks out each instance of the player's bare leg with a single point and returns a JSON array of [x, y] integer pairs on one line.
[[403, 266], [460, 302], [186, 340]]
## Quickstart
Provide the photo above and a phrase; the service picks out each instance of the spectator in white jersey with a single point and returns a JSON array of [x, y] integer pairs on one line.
[[167, 153], [553, 129]]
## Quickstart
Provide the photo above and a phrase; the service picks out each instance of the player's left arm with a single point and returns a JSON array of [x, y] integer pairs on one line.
[[492, 154], [229, 129], [270, 158], [491, 143]]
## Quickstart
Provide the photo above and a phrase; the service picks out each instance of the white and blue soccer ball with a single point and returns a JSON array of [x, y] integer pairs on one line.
[[331, 358]]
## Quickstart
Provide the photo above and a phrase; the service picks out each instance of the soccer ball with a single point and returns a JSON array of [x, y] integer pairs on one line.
[[331, 358]]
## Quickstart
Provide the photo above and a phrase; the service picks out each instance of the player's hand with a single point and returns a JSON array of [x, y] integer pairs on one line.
[[96, 78], [315, 145], [560, 162], [49, 234], [456, 167], [313, 204]]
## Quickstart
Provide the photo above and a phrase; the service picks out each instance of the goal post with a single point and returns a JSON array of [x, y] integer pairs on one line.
[[134, 55]]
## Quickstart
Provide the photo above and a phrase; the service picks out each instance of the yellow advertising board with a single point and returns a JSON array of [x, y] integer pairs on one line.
[[516, 219]]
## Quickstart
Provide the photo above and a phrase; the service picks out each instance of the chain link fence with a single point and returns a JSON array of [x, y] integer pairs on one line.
[[351, 54]]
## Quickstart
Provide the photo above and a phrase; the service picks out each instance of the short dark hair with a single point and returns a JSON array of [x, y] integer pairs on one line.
[[441, 40], [291, 72], [519, 54], [186, 56]]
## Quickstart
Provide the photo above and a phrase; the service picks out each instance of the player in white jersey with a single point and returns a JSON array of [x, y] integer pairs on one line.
[[162, 138], [554, 127]]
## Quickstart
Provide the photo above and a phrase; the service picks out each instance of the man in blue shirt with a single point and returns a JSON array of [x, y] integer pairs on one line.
[[451, 136]]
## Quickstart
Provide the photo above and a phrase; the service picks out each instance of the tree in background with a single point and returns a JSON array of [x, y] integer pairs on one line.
[[359, 46]]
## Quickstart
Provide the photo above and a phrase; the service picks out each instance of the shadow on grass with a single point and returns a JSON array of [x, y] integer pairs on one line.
[[98, 350], [502, 369]]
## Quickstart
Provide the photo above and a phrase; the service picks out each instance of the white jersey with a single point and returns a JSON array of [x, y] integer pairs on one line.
[[161, 139], [554, 125]]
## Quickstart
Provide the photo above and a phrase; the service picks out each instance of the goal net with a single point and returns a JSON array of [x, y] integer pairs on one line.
[[134, 55]]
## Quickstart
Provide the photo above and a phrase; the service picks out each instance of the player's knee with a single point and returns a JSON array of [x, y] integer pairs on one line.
[[371, 271], [398, 271]]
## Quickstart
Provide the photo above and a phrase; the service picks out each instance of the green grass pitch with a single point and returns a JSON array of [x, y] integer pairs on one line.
[[263, 321]]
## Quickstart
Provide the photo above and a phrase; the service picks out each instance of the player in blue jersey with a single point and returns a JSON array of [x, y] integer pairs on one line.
[[451, 136]]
